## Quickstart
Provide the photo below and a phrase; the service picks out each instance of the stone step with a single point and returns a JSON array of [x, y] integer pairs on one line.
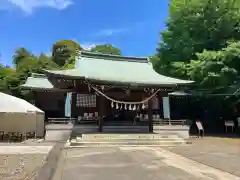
[[122, 145], [111, 144], [125, 136], [129, 140]]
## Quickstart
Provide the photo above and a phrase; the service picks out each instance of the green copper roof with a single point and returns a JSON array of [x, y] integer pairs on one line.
[[37, 81], [117, 69]]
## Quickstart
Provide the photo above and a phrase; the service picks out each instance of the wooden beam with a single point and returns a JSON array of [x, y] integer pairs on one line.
[[150, 115], [101, 107]]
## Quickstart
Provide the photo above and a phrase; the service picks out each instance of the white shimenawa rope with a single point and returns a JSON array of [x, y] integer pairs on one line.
[[124, 102]]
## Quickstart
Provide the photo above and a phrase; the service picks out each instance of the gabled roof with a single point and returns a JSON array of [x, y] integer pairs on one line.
[[37, 81], [117, 70]]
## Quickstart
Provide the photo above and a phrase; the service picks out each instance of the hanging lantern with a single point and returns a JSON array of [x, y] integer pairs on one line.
[[125, 107], [143, 106], [117, 106], [112, 105]]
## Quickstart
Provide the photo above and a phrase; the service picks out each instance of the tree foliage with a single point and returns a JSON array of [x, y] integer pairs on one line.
[[20, 54], [106, 49], [201, 42], [64, 51], [25, 64]]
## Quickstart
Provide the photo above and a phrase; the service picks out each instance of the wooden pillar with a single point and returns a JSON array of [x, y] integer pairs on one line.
[[101, 107], [150, 115]]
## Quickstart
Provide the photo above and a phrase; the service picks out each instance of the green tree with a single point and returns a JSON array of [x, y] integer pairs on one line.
[[194, 26], [26, 63], [27, 66], [216, 68], [45, 62], [64, 51], [106, 49], [9, 80], [20, 55]]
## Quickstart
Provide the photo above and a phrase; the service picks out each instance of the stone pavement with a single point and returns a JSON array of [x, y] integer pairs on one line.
[[49, 168], [133, 163], [220, 153]]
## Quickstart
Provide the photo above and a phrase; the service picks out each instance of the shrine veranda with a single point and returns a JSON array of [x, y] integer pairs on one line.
[[105, 90]]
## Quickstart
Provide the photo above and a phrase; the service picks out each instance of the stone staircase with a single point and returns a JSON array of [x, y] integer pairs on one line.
[[114, 140]]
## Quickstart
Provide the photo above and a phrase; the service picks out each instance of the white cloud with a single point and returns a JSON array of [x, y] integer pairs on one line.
[[29, 5], [89, 46], [111, 32], [115, 31]]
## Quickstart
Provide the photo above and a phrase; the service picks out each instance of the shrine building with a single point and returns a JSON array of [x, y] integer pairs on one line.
[[106, 93]]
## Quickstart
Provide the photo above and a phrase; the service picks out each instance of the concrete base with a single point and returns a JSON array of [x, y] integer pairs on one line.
[[62, 132], [58, 132], [181, 131], [82, 129], [126, 129]]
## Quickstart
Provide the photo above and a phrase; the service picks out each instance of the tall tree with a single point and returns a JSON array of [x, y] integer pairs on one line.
[[20, 55], [45, 62], [194, 26], [9, 80], [64, 51], [106, 49]]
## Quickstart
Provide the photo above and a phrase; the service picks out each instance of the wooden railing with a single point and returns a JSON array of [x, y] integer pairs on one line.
[[181, 122], [60, 120]]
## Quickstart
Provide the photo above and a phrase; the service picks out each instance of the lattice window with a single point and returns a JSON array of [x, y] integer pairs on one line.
[[155, 103], [85, 100]]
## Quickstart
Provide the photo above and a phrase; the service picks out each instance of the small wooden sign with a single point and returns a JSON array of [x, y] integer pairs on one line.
[[238, 119], [229, 123], [199, 125], [200, 129]]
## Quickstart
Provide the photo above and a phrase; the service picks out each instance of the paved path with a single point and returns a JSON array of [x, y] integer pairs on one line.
[[129, 163], [221, 153]]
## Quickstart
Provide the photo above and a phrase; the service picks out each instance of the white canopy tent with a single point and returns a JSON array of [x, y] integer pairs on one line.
[[17, 115]]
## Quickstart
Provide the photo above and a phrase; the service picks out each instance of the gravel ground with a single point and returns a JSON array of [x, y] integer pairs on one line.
[[220, 153], [20, 166], [22, 161]]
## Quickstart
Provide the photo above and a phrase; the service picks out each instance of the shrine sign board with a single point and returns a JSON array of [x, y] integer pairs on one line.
[[199, 125]]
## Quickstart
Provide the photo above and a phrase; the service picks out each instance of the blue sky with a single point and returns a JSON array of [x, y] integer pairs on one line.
[[131, 25]]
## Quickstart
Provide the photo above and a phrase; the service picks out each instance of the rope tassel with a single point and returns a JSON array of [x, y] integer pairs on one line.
[[130, 108], [134, 107]]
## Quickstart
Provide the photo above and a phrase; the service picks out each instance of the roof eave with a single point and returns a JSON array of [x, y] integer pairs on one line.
[[166, 85]]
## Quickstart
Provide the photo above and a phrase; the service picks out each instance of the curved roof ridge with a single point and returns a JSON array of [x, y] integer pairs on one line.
[[38, 75], [113, 57]]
